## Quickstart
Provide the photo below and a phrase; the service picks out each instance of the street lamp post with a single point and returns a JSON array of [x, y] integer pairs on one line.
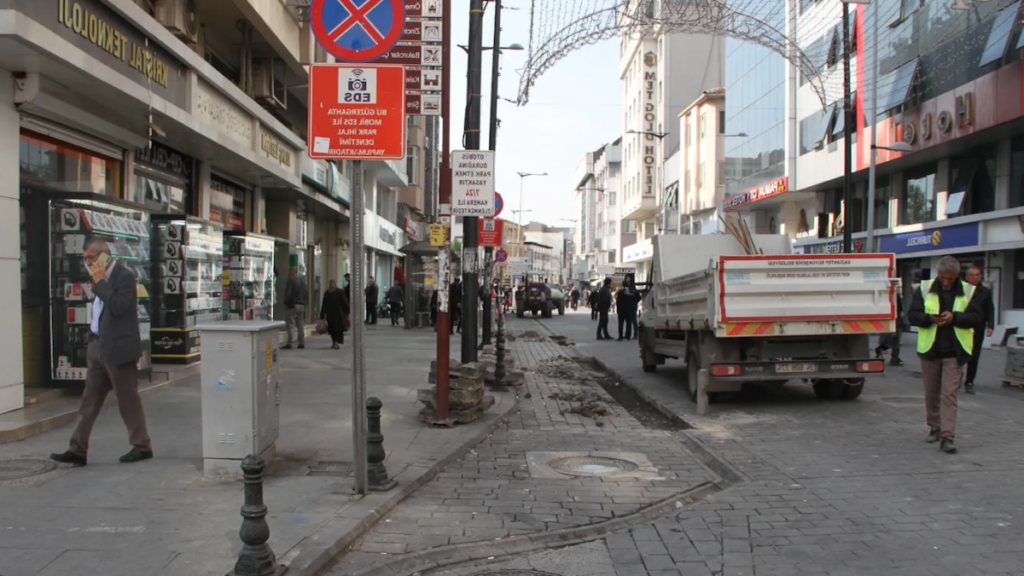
[[523, 176]]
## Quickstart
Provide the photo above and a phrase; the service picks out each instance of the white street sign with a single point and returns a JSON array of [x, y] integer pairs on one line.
[[473, 183]]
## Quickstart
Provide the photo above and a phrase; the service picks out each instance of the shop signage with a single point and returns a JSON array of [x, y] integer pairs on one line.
[[386, 236], [962, 236], [316, 172], [356, 112], [227, 203], [640, 251], [410, 228], [964, 116], [217, 109], [473, 183], [438, 234], [175, 345], [99, 31], [832, 247], [164, 159], [650, 123], [773, 188], [274, 149]]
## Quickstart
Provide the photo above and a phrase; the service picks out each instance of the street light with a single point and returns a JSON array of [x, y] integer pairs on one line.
[[896, 147], [523, 176], [658, 135], [512, 48]]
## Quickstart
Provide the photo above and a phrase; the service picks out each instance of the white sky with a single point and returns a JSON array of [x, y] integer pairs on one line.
[[574, 108]]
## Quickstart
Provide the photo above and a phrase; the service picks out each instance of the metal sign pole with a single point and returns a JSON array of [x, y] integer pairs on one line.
[[358, 258], [444, 193]]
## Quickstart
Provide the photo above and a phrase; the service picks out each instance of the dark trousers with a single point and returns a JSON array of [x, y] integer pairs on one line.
[[456, 320], [593, 312], [100, 379], [972, 366], [602, 325], [371, 312], [396, 310], [629, 320]]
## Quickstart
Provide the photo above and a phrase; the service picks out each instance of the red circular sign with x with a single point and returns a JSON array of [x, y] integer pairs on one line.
[[358, 30]]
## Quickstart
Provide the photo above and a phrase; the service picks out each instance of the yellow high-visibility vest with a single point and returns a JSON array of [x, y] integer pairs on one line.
[[926, 336]]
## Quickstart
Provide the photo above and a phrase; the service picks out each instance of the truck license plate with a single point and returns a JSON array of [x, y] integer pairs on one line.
[[794, 367]]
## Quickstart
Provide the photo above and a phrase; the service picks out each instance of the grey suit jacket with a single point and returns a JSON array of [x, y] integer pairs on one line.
[[120, 342]]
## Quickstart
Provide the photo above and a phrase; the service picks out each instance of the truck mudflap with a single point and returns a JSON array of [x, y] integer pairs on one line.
[[797, 369]]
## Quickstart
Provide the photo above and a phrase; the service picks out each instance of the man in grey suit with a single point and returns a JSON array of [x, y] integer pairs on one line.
[[114, 349]]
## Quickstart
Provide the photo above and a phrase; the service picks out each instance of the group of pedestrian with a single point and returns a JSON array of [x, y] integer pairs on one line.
[[626, 302]]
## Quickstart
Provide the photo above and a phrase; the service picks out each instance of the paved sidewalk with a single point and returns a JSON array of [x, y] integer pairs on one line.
[[502, 489], [162, 517], [838, 488]]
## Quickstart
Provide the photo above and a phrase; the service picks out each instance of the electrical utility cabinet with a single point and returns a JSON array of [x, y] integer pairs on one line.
[[241, 393]]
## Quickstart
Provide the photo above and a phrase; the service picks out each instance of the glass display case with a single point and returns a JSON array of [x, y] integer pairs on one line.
[[248, 277], [188, 257], [72, 219]]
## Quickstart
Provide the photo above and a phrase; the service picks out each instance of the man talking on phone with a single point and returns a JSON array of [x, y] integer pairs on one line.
[[114, 348], [946, 314]]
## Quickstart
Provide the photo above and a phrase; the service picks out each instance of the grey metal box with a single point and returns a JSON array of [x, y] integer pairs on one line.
[[240, 388]]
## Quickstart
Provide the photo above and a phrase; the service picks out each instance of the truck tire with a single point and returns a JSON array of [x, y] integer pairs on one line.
[[852, 389], [520, 311], [829, 389], [561, 308], [534, 312], [647, 359], [547, 310]]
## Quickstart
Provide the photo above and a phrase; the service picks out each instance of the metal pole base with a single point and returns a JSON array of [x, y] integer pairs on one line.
[[377, 479], [256, 557]]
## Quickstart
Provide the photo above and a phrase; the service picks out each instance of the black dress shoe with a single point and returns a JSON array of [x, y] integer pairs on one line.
[[136, 455], [286, 347], [301, 346], [947, 446], [68, 457]]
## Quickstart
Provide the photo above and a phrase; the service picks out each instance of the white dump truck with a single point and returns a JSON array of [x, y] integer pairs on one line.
[[736, 318]]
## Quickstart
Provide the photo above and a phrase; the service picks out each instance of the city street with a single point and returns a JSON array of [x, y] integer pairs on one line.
[[837, 488]]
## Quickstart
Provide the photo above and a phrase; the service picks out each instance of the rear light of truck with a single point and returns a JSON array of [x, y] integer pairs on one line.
[[725, 370], [871, 366]]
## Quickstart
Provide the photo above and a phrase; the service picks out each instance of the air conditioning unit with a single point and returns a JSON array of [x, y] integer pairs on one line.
[[266, 89], [180, 17]]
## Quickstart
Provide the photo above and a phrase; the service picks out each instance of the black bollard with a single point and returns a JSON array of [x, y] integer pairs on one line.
[[376, 473], [256, 557], [499, 357]]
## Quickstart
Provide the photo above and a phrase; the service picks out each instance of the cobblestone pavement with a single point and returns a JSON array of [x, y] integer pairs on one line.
[[837, 488], [503, 489]]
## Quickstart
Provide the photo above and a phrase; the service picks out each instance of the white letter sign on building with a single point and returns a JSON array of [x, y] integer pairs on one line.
[[473, 183]]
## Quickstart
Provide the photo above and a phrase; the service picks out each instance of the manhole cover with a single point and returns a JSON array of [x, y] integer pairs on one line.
[[515, 573], [330, 468], [24, 468], [590, 465]]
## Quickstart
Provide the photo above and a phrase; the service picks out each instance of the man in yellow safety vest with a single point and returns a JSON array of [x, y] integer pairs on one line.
[[945, 315]]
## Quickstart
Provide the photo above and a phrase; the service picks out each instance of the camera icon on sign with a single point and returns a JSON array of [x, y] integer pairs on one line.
[[356, 85]]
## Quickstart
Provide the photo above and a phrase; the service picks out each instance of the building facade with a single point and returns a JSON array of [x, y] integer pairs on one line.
[[701, 166], [117, 115], [598, 233]]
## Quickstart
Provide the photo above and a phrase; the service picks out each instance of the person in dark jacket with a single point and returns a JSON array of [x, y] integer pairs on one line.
[[626, 302], [892, 341], [348, 287], [396, 297], [604, 304], [335, 309], [984, 328], [372, 293], [455, 306], [592, 301], [946, 313]]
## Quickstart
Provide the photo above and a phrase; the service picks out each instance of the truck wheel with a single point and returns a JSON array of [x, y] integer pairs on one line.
[[547, 310], [648, 359], [852, 389], [829, 389], [561, 308], [520, 311], [692, 375], [534, 312]]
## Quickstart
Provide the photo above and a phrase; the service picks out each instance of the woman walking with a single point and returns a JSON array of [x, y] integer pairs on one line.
[[335, 310]]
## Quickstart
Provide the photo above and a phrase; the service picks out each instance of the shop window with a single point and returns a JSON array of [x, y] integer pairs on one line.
[[158, 196], [883, 201], [48, 163], [917, 204], [973, 178]]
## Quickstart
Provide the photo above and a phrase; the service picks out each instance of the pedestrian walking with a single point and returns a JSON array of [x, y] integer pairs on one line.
[[455, 306], [348, 287], [946, 315], [592, 302], [626, 302], [396, 296], [295, 308], [985, 325], [604, 303], [892, 341], [112, 353], [335, 309], [372, 293]]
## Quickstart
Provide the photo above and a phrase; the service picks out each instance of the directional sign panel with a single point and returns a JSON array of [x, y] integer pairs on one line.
[[473, 183], [423, 8], [422, 80], [356, 112], [426, 55], [423, 104], [428, 31], [357, 30]]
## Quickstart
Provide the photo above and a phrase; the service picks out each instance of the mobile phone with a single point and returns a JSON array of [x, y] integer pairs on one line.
[[104, 259]]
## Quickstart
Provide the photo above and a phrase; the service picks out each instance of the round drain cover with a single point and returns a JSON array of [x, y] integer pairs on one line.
[[24, 468], [590, 465]]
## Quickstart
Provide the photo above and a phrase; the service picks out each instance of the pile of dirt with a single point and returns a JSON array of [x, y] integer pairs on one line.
[[586, 404], [528, 336], [560, 367]]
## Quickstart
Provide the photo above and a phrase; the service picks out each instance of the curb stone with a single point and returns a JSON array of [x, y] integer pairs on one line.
[[444, 556], [309, 559]]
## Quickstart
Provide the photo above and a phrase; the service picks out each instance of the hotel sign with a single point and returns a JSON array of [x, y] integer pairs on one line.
[[767, 190]]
